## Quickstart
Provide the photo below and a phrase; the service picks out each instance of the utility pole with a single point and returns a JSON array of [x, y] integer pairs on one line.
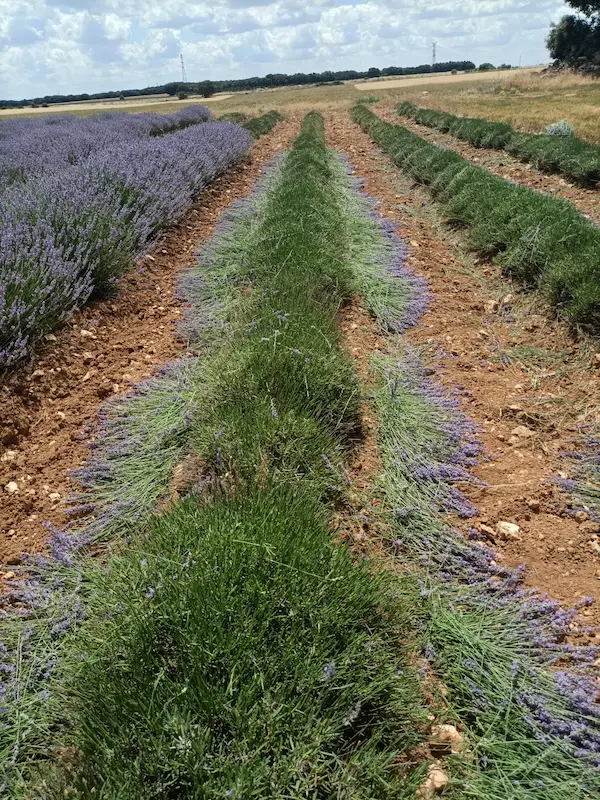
[[183, 75], [433, 54]]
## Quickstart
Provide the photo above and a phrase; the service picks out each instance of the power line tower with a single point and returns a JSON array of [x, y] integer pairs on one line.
[[433, 54], [183, 75]]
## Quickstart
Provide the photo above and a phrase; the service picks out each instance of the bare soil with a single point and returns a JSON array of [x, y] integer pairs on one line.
[[514, 367], [49, 406], [501, 163]]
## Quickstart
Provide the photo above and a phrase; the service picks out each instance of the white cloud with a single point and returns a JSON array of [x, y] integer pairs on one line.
[[64, 46]]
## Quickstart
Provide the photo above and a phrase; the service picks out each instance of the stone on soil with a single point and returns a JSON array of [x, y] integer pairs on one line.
[[435, 783], [508, 530], [448, 735]]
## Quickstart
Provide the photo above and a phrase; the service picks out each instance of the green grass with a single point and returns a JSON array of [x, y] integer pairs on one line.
[[539, 239], [572, 157]]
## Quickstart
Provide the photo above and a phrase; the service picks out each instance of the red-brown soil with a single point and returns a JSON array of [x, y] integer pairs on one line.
[[546, 382], [47, 405], [501, 163]]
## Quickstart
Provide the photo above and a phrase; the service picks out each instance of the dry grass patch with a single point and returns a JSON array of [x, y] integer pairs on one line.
[[528, 100]]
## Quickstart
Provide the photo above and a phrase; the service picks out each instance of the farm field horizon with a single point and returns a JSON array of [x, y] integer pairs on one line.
[[299, 446]]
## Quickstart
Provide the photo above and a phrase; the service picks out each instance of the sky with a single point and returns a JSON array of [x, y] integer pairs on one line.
[[75, 46]]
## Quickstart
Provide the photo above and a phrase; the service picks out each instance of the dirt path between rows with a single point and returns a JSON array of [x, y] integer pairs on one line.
[[503, 164], [108, 346], [521, 378]]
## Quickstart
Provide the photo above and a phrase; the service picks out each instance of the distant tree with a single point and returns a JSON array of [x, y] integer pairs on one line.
[[505, 66], [373, 72], [182, 95], [172, 88], [486, 67], [121, 97], [206, 88]]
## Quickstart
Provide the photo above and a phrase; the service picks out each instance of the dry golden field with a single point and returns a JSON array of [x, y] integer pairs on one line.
[[528, 100]]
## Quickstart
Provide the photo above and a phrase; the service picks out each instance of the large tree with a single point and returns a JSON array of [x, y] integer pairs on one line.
[[575, 39], [589, 8]]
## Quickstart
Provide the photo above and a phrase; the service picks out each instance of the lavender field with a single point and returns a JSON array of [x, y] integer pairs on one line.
[[325, 551], [81, 199]]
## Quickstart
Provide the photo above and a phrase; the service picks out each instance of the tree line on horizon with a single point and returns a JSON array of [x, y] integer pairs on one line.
[[208, 88]]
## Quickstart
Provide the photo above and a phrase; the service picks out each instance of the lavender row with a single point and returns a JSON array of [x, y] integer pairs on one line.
[[47, 145], [70, 236]]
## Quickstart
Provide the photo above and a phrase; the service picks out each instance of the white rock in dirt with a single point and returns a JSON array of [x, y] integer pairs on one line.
[[508, 299], [508, 530], [520, 434], [523, 432], [55, 496], [490, 306], [435, 783], [12, 487], [8, 455], [448, 735]]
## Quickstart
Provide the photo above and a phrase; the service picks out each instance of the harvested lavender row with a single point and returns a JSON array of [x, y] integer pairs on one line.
[[391, 291], [496, 645], [141, 438], [48, 144], [540, 239], [67, 237]]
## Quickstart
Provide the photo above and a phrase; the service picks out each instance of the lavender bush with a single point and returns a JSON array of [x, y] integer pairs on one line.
[[46, 145], [68, 236]]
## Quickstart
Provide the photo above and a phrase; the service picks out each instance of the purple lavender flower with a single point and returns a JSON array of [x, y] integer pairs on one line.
[[71, 231]]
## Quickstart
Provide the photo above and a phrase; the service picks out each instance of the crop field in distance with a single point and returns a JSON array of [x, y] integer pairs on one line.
[[299, 451]]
